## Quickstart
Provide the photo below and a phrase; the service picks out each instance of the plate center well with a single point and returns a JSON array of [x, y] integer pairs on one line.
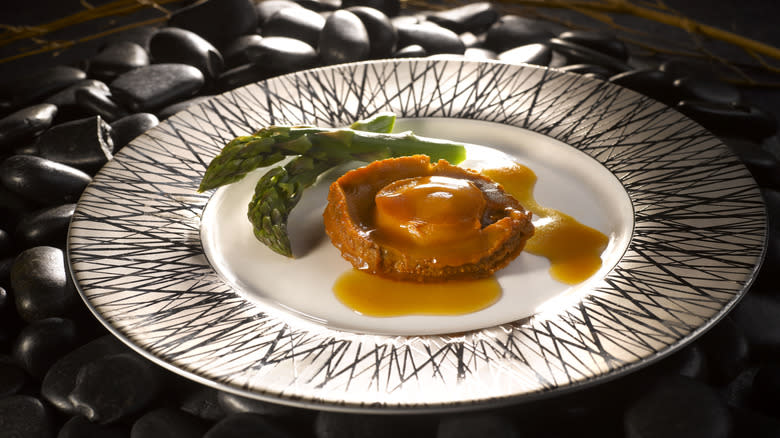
[[568, 180]]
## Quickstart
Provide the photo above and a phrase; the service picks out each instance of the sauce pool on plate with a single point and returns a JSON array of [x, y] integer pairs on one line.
[[573, 250], [373, 295]]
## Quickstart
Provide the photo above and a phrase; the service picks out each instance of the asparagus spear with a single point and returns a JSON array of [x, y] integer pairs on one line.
[[269, 146], [276, 194], [317, 150]]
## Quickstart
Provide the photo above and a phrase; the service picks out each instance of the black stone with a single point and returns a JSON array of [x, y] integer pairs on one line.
[[181, 46], [243, 75], [726, 349], [6, 106], [477, 53], [25, 417], [472, 17], [279, 55], [332, 424], [218, 22], [235, 53], [99, 102], [117, 58], [80, 427], [763, 165], [244, 425], [42, 284], [5, 280], [752, 424], [42, 83], [578, 54], [157, 85], [381, 32], [85, 144], [597, 70], [7, 335], [685, 67], [201, 401], [512, 30], [267, 8], [4, 296], [597, 406], [301, 24], [42, 342], [745, 121], [472, 41], [756, 315], [45, 227], [769, 275], [650, 82], [61, 377], [115, 387], [391, 8], [180, 106], [67, 97], [343, 39], [404, 20], [598, 41], [12, 377], [678, 407], [558, 60], [411, 51], [538, 54], [689, 362], [487, 425], [129, 127], [694, 88], [320, 5], [235, 404], [739, 391], [432, 37], [168, 422], [25, 124], [765, 396]]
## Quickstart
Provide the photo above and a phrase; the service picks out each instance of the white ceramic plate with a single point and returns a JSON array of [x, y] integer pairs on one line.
[[179, 277]]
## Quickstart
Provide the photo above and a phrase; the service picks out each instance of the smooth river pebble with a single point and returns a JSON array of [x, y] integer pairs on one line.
[[23, 125], [42, 284], [302, 24], [344, 38], [42, 342], [42, 181], [181, 46], [85, 144], [219, 22], [117, 58], [157, 85]]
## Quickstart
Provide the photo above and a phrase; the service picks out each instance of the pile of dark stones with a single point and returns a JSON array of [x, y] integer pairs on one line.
[[62, 374]]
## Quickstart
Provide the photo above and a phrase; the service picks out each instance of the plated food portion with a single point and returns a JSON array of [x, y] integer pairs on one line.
[[424, 236], [409, 219], [181, 276]]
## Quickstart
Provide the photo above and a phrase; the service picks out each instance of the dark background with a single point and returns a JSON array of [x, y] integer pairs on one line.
[[755, 19]]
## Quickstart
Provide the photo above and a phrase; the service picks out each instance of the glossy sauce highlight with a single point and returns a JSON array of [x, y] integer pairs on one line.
[[573, 249]]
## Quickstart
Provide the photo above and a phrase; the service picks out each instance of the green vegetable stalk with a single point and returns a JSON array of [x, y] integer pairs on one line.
[[316, 150]]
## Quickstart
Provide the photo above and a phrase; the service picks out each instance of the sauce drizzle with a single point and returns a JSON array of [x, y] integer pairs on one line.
[[573, 249]]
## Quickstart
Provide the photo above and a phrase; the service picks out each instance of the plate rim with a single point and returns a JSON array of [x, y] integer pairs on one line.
[[436, 407]]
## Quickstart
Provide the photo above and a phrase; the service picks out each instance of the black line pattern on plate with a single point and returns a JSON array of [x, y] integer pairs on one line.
[[699, 236]]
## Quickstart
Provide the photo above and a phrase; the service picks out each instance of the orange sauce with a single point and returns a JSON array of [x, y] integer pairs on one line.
[[573, 249], [373, 295]]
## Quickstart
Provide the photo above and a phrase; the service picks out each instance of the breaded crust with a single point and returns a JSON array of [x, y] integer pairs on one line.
[[349, 220]]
